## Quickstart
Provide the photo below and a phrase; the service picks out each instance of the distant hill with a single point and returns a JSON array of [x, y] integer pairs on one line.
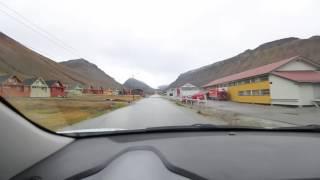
[[16, 58], [96, 75], [132, 83], [163, 87], [264, 54]]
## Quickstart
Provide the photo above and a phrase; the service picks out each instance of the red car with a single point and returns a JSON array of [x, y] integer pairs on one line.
[[199, 95]]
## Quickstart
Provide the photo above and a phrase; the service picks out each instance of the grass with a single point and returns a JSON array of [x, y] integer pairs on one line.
[[56, 113]]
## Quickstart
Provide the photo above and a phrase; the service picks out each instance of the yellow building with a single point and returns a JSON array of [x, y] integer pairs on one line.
[[107, 92], [293, 81]]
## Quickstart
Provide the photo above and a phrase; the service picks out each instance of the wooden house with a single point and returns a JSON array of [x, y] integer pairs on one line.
[[116, 92], [38, 87], [74, 90], [108, 92], [93, 90], [88, 90], [11, 86], [98, 90], [56, 88]]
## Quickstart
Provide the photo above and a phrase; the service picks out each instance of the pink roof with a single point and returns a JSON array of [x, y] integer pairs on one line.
[[252, 72], [300, 76]]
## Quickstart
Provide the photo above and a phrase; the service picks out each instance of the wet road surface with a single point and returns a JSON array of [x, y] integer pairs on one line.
[[149, 112]]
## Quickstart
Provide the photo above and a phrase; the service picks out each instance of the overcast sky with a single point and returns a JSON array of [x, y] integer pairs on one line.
[[154, 41]]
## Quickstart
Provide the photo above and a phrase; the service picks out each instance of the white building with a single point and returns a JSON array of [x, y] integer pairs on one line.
[[186, 90], [170, 92], [38, 87], [296, 83]]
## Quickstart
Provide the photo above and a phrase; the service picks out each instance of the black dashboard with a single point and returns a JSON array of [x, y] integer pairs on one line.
[[185, 155]]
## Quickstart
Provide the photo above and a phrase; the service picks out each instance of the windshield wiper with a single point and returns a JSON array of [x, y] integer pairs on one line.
[[309, 128], [189, 128], [186, 128]]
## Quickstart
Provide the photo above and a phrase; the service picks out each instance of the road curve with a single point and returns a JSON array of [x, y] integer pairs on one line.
[[149, 112]]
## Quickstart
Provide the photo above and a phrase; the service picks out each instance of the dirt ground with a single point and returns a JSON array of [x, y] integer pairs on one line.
[[56, 113]]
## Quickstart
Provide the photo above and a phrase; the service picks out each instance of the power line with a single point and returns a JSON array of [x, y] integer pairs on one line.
[[34, 27], [4, 12]]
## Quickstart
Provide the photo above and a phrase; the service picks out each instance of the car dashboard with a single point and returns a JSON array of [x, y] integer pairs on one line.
[[185, 155]]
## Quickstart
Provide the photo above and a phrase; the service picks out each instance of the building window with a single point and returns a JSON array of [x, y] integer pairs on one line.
[[265, 92], [247, 81], [241, 93], [247, 93], [264, 78], [255, 93]]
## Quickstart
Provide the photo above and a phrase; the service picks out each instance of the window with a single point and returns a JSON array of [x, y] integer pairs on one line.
[[265, 92], [257, 79], [255, 93], [241, 93], [247, 93], [264, 78]]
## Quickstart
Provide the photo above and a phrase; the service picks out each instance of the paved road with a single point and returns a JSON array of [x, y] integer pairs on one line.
[[148, 112]]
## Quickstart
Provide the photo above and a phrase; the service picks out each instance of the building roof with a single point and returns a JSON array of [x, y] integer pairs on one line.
[[51, 82], [300, 76], [188, 85], [256, 71], [29, 81], [75, 86]]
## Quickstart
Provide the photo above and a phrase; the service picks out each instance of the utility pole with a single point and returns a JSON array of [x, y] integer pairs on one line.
[[132, 95]]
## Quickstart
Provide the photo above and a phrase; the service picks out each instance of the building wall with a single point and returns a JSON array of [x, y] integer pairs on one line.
[[296, 66], [316, 89], [57, 91], [170, 92], [233, 93], [175, 92], [286, 92], [283, 91], [14, 91], [189, 92], [74, 92], [40, 92], [306, 94], [108, 92]]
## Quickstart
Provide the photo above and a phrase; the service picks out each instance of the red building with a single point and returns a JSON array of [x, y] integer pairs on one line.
[[93, 90], [57, 89], [99, 90], [12, 86]]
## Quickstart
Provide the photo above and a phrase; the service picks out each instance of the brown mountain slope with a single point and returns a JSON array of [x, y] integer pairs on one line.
[[264, 54], [17, 59], [82, 66]]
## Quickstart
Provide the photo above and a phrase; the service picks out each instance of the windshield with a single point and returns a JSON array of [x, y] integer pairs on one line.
[[125, 65]]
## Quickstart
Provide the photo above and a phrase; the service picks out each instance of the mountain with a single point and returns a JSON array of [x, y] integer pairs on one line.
[[17, 59], [96, 75], [163, 87], [264, 54], [132, 83]]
